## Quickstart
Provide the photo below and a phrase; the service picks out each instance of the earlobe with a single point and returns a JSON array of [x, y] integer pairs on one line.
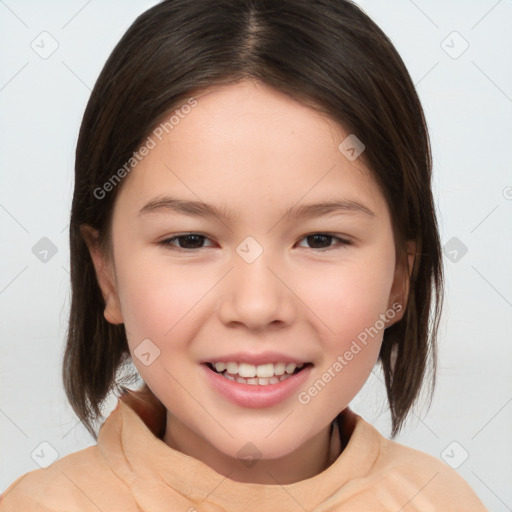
[[104, 275], [112, 311]]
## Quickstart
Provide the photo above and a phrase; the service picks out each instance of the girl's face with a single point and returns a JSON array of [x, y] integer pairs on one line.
[[252, 281]]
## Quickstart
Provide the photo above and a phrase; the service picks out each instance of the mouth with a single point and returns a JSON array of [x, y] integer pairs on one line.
[[251, 386], [261, 375]]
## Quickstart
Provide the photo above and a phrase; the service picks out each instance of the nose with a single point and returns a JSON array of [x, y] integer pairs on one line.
[[257, 294]]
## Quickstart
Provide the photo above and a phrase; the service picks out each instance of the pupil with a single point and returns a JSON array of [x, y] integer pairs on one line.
[[316, 237], [188, 237]]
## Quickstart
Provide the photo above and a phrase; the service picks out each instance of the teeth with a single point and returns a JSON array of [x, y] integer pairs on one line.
[[290, 367], [232, 368], [263, 375], [247, 370], [256, 380], [279, 368], [220, 367], [263, 371]]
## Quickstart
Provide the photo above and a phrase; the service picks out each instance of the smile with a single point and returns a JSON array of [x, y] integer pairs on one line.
[[262, 375], [256, 392]]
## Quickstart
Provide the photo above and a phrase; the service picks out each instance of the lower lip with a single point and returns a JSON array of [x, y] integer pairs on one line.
[[255, 395]]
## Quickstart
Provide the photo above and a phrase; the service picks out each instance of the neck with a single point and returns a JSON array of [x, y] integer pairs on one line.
[[308, 460]]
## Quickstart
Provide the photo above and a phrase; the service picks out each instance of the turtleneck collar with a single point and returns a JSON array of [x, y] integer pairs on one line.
[[131, 442]]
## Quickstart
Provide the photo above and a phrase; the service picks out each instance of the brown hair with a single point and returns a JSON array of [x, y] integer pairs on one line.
[[327, 54]]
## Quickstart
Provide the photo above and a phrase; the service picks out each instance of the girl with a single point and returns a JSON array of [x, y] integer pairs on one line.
[[253, 227]]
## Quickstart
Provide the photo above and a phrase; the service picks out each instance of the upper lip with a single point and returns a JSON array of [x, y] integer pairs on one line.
[[255, 359]]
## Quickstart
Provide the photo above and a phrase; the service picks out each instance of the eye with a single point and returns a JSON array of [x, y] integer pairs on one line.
[[191, 241], [194, 241], [323, 238]]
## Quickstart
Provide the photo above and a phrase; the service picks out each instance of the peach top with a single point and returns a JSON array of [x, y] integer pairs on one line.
[[131, 469]]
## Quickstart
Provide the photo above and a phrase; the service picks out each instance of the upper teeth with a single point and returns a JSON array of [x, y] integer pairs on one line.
[[263, 370]]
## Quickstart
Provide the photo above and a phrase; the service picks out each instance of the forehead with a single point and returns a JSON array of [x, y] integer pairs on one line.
[[251, 147]]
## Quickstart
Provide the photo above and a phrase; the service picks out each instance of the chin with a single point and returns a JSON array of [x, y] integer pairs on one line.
[[257, 444]]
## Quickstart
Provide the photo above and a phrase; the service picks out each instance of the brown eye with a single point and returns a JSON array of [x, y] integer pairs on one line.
[[322, 241], [190, 241]]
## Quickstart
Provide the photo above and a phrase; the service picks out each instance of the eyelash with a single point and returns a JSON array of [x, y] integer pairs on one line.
[[167, 242]]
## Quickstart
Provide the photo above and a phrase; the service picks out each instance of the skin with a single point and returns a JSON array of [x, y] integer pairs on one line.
[[256, 151]]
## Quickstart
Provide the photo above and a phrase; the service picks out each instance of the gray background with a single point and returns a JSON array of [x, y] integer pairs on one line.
[[467, 97]]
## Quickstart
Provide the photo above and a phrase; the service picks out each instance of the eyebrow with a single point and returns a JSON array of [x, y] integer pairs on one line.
[[167, 204]]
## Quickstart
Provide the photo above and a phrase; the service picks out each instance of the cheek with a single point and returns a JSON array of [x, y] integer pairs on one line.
[[349, 300], [349, 305], [158, 298], [349, 297]]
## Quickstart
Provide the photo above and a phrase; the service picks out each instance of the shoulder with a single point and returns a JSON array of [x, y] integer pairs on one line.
[[77, 481], [429, 483]]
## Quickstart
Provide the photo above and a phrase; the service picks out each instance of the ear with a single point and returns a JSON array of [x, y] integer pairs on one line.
[[400, 289], [104, 274]]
